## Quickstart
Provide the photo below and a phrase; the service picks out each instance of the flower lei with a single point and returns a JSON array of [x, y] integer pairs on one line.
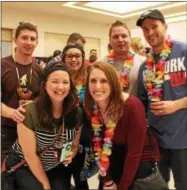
[[124, 72], [80, 86], [154, 73], [102, 148]]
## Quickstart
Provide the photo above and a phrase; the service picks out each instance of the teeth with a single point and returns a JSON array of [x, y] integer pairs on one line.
[[98, 93], [59, 93]]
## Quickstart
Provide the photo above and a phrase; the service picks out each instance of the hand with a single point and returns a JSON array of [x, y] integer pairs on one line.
[[46, 186], [163, 107], [17, 115], [113, 187], [68, 158]]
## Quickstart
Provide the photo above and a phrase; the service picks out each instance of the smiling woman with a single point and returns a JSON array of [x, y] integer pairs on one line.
[[54, 110]]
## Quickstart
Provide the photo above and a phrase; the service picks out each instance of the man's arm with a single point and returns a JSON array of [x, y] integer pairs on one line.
[[181, 103], [168, 107], [14, 114]]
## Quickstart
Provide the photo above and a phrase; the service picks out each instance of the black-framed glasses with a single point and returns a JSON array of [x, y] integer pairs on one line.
[[71, 56]]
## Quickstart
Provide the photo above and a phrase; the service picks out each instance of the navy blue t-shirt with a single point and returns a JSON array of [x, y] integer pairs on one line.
[[171, 129]]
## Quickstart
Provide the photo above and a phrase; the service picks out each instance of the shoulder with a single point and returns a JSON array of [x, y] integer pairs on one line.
[[180, 46], [133, 102], [31, 109], [7, 60], [140, 59]]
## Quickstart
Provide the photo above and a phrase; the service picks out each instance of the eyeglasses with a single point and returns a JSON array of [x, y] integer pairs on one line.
[[71, 56]]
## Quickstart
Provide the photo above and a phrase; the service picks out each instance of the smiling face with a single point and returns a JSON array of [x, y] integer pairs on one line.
[[73, 59], [99, 87], [58, 86], [154, 32], [120, 40], [26, 42]]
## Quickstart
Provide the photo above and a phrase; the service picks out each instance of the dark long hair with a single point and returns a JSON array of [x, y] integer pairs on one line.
[[43, 102]]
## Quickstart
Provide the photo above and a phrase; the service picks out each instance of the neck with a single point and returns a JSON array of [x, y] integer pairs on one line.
[[22, 59], [157, 50], [121, 56], [57, 110], [102, 106]]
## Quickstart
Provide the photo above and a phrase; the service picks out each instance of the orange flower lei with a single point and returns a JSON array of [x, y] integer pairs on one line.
[[102, 147], [154, 73], [124, 72]]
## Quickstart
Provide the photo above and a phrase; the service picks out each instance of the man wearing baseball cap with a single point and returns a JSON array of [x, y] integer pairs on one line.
[[163, 90]]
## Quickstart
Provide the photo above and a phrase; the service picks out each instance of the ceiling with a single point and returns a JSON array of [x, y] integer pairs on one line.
[[116, 10]]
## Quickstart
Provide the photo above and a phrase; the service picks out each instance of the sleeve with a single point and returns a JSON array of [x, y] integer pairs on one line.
[[135, 143], [29, 121], [142, 94]]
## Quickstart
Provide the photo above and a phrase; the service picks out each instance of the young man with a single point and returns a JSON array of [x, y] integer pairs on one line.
[[20, 80], [163, 90], [126, 62], [92, 56]]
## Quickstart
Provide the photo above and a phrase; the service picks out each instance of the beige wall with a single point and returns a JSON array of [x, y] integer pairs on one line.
[[67, 25], [176, 30], [55, 24]]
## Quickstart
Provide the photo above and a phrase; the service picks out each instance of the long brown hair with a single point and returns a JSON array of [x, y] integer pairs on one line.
[[43, 102], [115, 100]]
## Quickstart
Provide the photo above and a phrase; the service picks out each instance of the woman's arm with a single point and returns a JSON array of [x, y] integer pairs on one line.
[[135, 142], [27, 140]]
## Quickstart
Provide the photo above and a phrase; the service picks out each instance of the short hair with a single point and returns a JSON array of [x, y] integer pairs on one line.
[[56, 53], [74, 37], [92, 50], [117, 24], [109, 46], [115, 99], [26, 26]]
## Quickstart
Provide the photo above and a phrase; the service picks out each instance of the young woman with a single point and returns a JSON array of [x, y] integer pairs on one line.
[[118, 131], [73, 56], [54, 110]]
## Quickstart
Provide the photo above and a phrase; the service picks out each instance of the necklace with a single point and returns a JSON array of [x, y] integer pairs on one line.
[[125, 69], [154, 73], [22, 89], [102, 147]]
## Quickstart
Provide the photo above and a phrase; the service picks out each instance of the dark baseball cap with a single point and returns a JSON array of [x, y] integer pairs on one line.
[[155, 13]]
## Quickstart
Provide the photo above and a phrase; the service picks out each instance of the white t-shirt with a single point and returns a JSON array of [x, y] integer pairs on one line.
[[133, 74]]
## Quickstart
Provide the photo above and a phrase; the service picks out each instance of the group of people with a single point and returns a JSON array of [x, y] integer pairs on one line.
[[123, 107]]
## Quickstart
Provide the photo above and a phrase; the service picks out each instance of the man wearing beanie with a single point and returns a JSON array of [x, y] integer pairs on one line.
[[162, 87]]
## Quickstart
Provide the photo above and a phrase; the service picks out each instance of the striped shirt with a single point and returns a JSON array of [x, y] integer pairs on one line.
[[45, 139]]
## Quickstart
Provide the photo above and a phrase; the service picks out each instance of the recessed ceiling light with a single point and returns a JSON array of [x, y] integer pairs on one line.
[[121, 7]]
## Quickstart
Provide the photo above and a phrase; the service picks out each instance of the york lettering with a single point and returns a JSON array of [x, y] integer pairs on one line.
[[175, 65]]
